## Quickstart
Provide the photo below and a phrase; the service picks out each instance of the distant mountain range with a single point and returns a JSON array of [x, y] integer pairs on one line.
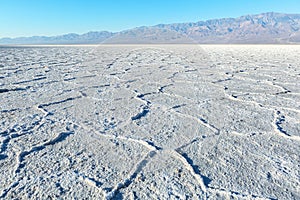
[[264, 28]]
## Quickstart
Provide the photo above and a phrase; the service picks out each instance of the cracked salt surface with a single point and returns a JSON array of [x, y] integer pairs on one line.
[[150, 122]]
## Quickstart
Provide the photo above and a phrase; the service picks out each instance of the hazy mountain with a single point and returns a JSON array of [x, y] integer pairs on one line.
[[72, 38], [261, 28]]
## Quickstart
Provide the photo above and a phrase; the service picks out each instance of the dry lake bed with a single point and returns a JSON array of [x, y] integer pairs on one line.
[[150, 122]]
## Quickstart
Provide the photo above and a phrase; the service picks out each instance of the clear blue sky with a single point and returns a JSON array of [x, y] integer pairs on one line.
[[53, 17]]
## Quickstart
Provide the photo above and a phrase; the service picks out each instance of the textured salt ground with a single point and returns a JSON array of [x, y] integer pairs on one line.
[[150, 122]]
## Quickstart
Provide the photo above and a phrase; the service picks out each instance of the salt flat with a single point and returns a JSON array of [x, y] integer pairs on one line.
[[150, 122]]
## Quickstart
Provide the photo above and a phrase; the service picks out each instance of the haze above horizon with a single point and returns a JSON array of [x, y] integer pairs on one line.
[[55, 17]]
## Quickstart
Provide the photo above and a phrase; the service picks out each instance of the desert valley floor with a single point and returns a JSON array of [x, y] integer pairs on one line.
[[150, 122]]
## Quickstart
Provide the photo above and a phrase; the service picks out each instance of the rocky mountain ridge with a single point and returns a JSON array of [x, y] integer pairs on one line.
[[265, 28]]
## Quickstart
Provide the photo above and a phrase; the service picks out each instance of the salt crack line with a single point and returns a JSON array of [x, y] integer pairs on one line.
[[21, 156], [202, 121], [161, 89], [192, 142], [59, 102], [199, 120], [238, 194], [43, 120], [190, 168], [31, 80], [41, 108], [11, 110], [12, 90], [126, 183], [90, 181], [146, 144], [144, 111], [267, 107], [277, 121], [142, 142], [7, 190], [141, 98]]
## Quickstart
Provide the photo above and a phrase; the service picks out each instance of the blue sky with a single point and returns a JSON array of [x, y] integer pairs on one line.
[[53, 17]]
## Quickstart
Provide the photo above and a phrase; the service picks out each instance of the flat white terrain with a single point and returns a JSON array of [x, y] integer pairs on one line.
[[150, 122]]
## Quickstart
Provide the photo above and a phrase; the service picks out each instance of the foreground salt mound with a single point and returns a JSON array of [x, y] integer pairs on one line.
[[150, 122]]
